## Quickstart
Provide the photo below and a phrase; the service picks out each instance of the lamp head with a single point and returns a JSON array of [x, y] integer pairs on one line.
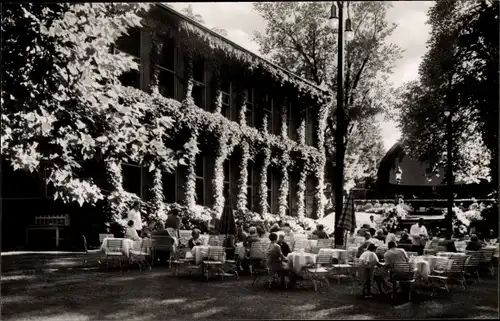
[[349, 33], [334, 19]]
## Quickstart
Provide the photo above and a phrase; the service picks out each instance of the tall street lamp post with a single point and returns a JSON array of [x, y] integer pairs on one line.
[[337, 22], [449, 166]]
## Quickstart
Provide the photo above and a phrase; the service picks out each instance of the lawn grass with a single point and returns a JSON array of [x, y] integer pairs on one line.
[[158, 295]]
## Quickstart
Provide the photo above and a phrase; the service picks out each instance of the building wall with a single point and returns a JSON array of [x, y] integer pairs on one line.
[[172, 84]]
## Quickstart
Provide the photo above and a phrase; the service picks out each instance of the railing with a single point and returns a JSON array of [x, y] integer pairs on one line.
[[58, 219]]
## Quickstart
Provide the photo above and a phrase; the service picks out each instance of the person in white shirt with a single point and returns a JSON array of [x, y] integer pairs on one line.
[[134, 215], [419, 235], [369, 260], [131, 232], [373, 225]]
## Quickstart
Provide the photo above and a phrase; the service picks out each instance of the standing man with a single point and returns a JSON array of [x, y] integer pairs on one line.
[[373, 225], [135, 215], [419, 235]]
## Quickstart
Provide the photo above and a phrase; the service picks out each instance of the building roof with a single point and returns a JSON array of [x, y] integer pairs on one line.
[[274, 69]]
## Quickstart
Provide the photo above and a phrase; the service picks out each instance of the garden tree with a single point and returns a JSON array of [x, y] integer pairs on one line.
[[364, 151], [63, 103], [299, 38], [458, 73], [188, 12]]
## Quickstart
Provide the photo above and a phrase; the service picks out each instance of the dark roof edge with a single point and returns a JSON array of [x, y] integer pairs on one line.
[[213, 33]]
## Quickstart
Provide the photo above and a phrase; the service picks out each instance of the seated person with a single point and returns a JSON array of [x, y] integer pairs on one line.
[[405, 239], [389, 236], [285, 249], [320, 233], [164, 255], [241, 235], [370, 261], [275, 258], [365, 245], [394, 255], [195, 240], [275, 228], [131, 232], [252, 237], [448, 244], [146, 233], [474, 244], [380, 236], [229, 246], [261, 232]]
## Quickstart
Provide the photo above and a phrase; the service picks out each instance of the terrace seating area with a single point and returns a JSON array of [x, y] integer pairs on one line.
[[311, 261]]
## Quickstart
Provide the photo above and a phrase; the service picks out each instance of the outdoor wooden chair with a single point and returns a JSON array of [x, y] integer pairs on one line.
[[487, 260], [302, 244], [163, 243], [103, 236], [140, 255], [322, 244], [319, 271], [214, 261], [454, 271], [113, 250], [94, 253], [178, 259], [356, 274], [344, 265], [213, 240], [231, 266], [402, 273], [472, 264], [257, 257]]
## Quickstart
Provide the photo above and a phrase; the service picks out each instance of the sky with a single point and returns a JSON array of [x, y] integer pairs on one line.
[[240, 21]]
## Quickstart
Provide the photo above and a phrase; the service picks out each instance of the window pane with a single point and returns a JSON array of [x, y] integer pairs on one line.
[[198, 96], [169, 186], [269, 201], [130, 78], [249, 199], [250, 173], [167, 56], [226, 99], [225, 81], [269, 179], [227, 196], [226, 170], [166, 83], [199, 70], [132, 179], [200, 192], [130, 43], [225, 111], [269, 121], [250, 95], [199, 165], [249, 114]]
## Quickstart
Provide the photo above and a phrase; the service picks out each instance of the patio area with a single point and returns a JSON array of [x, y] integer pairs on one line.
[[158, 295]]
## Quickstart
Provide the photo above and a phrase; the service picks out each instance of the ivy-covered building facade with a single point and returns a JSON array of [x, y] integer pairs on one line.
[[259, 129]]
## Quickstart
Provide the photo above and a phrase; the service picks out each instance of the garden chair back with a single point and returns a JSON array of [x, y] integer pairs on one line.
[[103, 236]]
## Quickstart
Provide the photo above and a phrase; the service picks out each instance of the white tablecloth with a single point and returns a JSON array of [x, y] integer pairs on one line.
[[127, 245], [423, 266], [296, 260], [200, 252], [434, 259]]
